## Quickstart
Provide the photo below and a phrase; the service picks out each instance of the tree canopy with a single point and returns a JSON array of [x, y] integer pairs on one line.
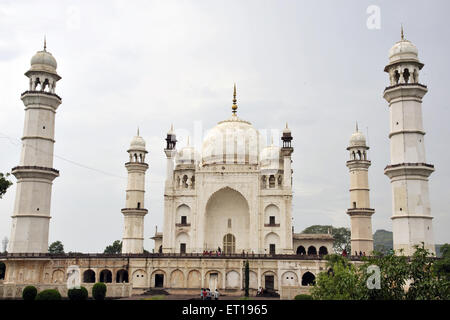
[[115, 248], [56, 247], [420, 277], [341, 236], [5, 183]]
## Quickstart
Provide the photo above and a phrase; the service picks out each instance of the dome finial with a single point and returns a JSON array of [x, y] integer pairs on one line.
[[357, 126], [402, 34], [138, 130], [188, 142], [45, 43], [234, 106]]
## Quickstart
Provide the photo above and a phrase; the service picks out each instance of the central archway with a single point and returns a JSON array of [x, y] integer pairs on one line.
[[227, 212]]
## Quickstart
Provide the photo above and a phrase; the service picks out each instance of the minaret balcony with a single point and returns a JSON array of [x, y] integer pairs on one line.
[[402, 90], [41, 98], [360, 212], [182, 224], [134, 211], [358, 164], [21, 172], [409, 169]]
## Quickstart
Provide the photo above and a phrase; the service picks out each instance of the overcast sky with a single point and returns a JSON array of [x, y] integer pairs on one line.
[[124, 64]]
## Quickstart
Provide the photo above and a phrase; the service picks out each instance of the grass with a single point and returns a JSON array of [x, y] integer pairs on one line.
[[158, 297], [245, 298]]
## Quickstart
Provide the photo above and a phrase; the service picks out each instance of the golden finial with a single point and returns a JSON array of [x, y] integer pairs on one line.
[[234, 106], [402, 34], [45, 43]]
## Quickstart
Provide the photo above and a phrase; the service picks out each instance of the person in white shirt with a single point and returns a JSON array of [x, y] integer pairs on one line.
[[216, 294]]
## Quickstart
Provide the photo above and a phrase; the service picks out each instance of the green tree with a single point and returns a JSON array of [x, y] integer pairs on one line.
[[341, 281], [441, 267], [115, 248], [341, 236], [247, 278], [5, 183], [56, 248]]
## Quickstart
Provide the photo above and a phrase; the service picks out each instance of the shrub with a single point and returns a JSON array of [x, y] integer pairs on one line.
[[303, 297], [49, 294], [78, 294], [99, 291], [29, 293]]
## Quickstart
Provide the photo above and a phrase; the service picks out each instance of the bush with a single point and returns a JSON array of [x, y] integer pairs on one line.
[[29, 293], [303, 297], [78, 294], [49, 294], [99, 291]]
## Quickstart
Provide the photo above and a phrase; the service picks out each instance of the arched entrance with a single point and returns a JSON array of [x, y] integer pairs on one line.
[[106, 276], [301, 250], [2, 271], [227, 212], [312, 250], [122, 276], [89, 276], [229, 244], [323, 251], [308, 279]]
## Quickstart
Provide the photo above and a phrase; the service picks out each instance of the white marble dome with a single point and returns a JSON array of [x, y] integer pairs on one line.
[[187, 155], [270, 158], [138, 143], [231, 141], [43, 61], [357, 140], [403, 50]]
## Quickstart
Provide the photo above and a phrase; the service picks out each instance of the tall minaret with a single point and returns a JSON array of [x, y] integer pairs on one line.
[[169, 223], [35, 173], [134, 212], [360, 212], [408, 170]]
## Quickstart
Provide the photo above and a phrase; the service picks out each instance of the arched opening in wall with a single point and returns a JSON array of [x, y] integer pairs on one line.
[[185, 179], [226, 204], [89, 276], [182, 241], [358, 155], [353, 155], [2, 271], [177, 279], [406, 75], [396, 76], [229, 244], [140, 158], [308, 279], [106, 276], [271, 242], [138, 205], [122, 276], [37, 85], [159, 280], [272, 181], [323, 251], [135, 157], [364, 155], [160, 249], [354, 204], [271, 215], [182, 214], [312, 250], [301, 250]]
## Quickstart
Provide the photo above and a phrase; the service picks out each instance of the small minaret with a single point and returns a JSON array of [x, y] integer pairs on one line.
[[134, 212], [360, 212], [170, 151], [408, 170], [35, 173], [286, 153]]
